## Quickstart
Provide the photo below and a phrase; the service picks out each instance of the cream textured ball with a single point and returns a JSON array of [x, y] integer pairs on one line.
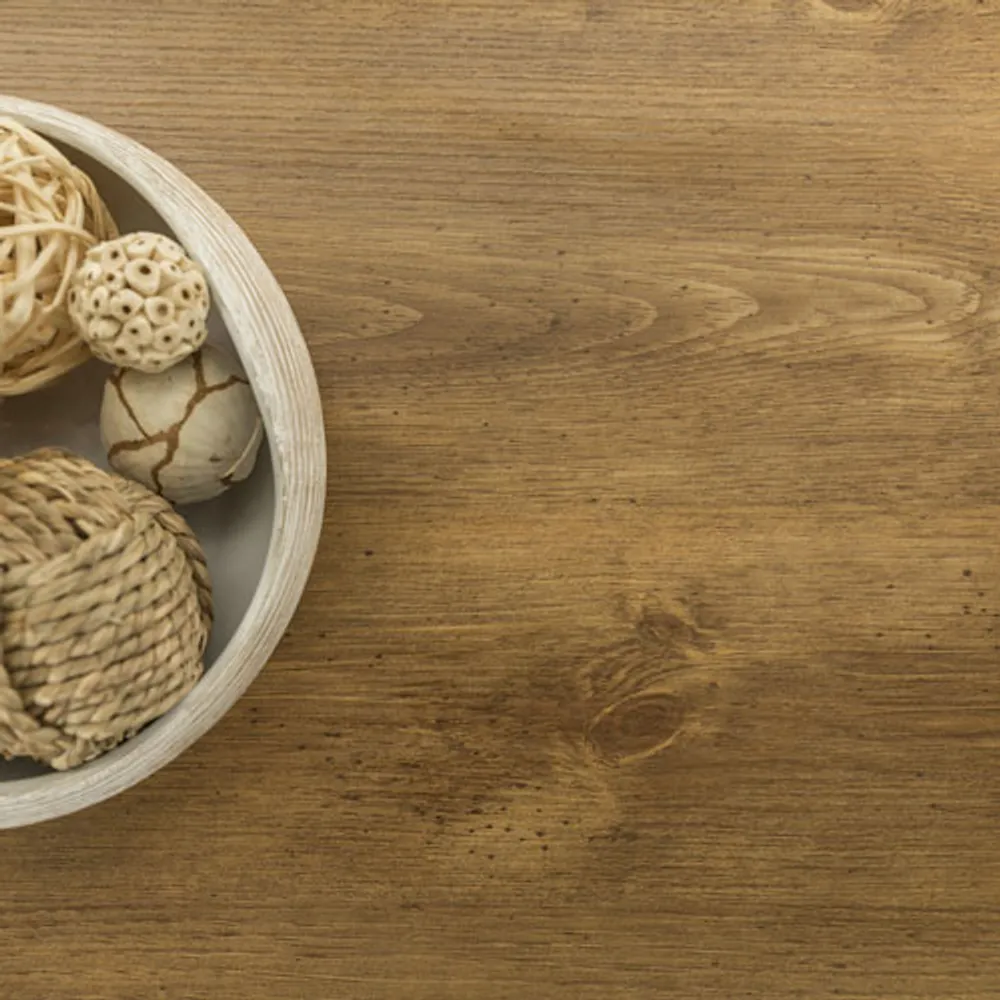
[[140, 302], [189, 432]]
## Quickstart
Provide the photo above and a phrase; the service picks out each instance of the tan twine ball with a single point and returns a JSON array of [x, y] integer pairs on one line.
[[105, 608], [50, 215]]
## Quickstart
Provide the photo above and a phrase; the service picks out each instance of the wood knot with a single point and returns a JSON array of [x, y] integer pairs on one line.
[[675, 636], [635, 728]]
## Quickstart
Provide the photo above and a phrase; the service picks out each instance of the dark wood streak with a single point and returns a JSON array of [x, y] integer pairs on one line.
[[171, 436]]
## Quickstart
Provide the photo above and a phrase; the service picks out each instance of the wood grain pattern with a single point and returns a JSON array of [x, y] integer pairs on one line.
[[652, 647]]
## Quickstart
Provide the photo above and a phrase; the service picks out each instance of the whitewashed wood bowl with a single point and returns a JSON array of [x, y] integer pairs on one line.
[[261, 537]]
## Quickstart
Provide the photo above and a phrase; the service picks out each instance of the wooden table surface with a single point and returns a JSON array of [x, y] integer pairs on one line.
[[652, 647]]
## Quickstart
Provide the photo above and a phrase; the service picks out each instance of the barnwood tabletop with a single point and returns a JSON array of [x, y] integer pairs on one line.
[[652, 647]]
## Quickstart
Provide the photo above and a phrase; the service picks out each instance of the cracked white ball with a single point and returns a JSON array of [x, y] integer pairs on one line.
[[189, 432]]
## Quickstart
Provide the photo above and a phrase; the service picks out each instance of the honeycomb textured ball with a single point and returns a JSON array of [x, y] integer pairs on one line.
[[140, 302], [188, 433], [105, 608]]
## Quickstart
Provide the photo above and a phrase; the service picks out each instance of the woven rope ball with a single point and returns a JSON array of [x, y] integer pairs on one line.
[[50, 215], [105, 608]]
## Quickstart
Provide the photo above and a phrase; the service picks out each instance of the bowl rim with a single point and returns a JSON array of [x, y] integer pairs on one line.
[[270, 345]]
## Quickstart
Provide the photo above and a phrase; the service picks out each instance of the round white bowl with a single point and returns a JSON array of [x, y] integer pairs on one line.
[[261, 537]]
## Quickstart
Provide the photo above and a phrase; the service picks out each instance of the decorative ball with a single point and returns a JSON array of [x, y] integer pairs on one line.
[[140, 302], [189, 432], [105, 608], [50, 214]]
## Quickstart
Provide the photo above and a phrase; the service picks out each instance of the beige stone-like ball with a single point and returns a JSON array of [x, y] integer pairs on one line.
[[140, 302], [188, 433]]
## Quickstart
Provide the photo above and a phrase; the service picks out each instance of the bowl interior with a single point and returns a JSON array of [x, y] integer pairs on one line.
[[234, 529]]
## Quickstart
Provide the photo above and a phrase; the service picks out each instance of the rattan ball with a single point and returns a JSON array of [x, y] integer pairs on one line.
[[105, 608], [50, 215]]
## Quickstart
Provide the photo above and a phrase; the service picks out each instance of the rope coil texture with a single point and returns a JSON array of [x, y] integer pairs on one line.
[[50, 215], [105, 608]]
